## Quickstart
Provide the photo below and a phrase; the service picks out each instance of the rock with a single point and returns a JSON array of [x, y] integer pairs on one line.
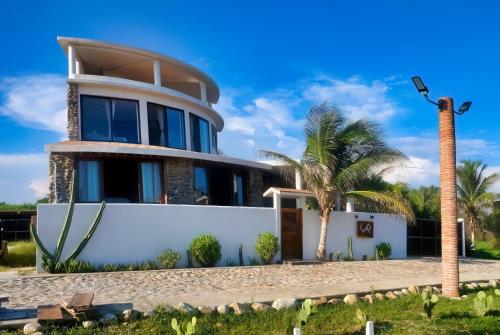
[[398, 293], [335, 301], [474, 285], [239, 308], [148, 314], [259, 307], [413, 289], [91, 324], [461, 285], [283, 303], [186, 308], [351, 299], [320, 301], [484, 285], [405, 291], [131, 315], [32, 328], [206, 309], [492, 283], [37, 333], [108, 319], [391, 295], [436, 290], [464, 296], [379, 296], [223, 309], [368, 298]]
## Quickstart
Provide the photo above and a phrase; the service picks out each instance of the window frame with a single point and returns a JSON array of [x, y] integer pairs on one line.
[[208, 172], [139, 181], [109, 100], [101, 179], [165, 118], [209, 139]]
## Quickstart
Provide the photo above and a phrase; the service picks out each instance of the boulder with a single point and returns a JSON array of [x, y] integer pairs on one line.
[[108, 319], [32, 328], [391, 296], [186, 308], [405, 291], [398, 293], [148, 314], [206, 309], [351, 299], [90, 324], [131, 315], [493, 283], [368, 298], [239, 308], [413, 289], [259, 307], [484, 285], [320, 301], [474, 285], [436, 290], [379, 296], [223, 309], [335, 301], [283, 303]]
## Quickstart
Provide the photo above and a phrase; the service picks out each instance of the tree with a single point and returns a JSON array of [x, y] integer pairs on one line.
[[474, 197], [340, 156], [425, 202]]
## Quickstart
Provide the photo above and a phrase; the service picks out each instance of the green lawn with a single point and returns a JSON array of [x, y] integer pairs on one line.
[[485, 249], [21, 255], [402, 316]]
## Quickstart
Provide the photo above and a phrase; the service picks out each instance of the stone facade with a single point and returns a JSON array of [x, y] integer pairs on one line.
[[73, 115], [61, 167], [178, 181], [255, 188]]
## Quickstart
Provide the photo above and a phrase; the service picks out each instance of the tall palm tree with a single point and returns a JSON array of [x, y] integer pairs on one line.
[[425, 201], [339, 156], [474, 197]]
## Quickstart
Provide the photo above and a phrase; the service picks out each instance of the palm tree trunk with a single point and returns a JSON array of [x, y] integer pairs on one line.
[[321, 252], [472, 234]]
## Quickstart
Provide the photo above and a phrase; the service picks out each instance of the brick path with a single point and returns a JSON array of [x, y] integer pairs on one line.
[[147, 289]]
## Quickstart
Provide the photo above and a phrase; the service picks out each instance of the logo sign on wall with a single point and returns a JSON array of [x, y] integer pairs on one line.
[[365, 229]]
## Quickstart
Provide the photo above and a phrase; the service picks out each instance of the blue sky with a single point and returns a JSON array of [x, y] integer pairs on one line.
[[272, 61]]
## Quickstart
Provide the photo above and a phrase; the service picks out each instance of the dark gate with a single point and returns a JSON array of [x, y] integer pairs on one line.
[[424, 238], [15, 226], [291, 233]]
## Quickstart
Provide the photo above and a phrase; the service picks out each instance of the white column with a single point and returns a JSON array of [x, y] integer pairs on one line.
[[143, 118], [157, 72], [187, 130], [203, 90], [78, 67], [71, 61], [464, 253], [298, 180], [277, 208], [349, 206]]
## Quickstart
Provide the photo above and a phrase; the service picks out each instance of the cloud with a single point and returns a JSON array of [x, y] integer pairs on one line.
[[37, 101], [23, 177], [419, 172]]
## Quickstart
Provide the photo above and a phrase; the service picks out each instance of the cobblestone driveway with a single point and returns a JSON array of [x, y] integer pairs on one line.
[[242, 284]]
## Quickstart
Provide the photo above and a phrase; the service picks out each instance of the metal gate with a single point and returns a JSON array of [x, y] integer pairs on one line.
[[15, 226], [424, 238]]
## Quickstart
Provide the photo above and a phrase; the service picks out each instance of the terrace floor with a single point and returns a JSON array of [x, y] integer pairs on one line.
[[215, 286]]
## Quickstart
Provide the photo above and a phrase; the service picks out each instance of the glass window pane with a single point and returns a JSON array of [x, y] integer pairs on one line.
[[151, 182], [156, 124], [238, 190], [214, 140], [175, 120], [204, 137], [200, 140], [89, 181], [125, 121], [96, 119], [200, 186]]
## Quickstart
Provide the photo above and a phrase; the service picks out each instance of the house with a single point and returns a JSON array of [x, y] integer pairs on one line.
[[142, 129]]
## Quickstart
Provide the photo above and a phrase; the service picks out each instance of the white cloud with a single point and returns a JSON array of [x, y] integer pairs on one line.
[[419, 172], [23, 177], [37, 101], [490, 170]]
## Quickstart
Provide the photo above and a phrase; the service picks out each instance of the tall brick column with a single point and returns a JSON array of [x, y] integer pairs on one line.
[[449, 234]]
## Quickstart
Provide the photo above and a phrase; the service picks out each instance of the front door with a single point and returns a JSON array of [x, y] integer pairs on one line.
[[291, 233]]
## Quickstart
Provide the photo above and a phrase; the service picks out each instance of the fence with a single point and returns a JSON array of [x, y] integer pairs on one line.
[[14, 226], [424, 238]]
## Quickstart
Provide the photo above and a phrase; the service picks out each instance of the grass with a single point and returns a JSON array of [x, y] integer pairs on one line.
[[401, 316], [486, 249], [20, 256]]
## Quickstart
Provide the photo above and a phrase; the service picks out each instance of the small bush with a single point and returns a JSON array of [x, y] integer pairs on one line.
[[169, 258], [384, 250], [78, 266], [231, 262], [267, 247], [253, 261], [206, 250]]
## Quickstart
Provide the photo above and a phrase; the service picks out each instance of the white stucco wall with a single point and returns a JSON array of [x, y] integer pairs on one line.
[[387, 228], [136, 232]]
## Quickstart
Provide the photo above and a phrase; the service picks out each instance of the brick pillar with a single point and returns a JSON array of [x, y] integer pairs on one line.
[[73, 115], [449, 234]]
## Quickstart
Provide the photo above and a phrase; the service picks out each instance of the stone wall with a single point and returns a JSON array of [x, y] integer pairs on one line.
[[73, 115], [178, 180], [255, 188], [61, 167]]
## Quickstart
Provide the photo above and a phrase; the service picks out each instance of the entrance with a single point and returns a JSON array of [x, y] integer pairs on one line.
[[291, 233]]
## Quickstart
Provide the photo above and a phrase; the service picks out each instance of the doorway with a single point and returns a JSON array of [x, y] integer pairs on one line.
[[291, 233], [120, 181]]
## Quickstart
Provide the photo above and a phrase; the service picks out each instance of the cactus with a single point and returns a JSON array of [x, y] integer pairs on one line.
[[240, 255], [52, 262], [497, 292], [349, 248], [305, 311], [483, 303], [429, 301], [360, 316], [190, 259], [187, 329], [377, 255]]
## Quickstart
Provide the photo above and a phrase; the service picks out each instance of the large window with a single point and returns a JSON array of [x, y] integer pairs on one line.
[[200, 138], [89, 181], [200, 186], [214, 140], [238, 190], [107, 119], [151, 182], [166, 126]]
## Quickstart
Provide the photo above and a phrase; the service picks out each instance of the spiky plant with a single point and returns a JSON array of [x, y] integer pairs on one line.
[[474, 196], [338, 157]]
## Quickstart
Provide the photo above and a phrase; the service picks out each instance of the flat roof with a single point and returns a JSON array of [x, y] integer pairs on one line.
[[288, 192]]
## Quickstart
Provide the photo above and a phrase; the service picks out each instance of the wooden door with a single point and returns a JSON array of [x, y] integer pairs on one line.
[[291, 233]]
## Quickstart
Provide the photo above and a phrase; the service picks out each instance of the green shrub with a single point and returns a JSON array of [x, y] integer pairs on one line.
[[384, 250], [267, 247], [231, 262], [483, 303], [429, 300], [206, 250], [253, 261], [78, 266], [169, 258]]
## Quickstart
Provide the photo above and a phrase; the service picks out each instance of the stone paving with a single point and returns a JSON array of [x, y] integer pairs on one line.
[[146, 289]]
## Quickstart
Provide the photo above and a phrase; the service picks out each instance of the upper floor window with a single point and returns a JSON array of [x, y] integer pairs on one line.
[[108, 119], [166, 126], [200, 138], [214, 140]]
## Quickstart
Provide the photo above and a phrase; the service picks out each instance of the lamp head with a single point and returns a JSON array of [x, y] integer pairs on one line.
[[465, 107], [419, 84]]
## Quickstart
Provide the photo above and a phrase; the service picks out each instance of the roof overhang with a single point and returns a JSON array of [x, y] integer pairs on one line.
[[288, 192]]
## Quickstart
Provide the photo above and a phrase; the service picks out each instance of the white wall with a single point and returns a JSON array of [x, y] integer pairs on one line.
[[136, 232], [387, 228]]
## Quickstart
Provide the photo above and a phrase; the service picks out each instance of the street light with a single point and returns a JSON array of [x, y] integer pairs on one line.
[[448, 180]]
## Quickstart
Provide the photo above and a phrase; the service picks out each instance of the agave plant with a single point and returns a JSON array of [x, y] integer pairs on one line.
[[51, 262]]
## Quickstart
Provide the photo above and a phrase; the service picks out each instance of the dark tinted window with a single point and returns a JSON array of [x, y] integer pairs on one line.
[[125, 121], [238, 190], [200, 186], [156, 124], [200, 139], [166, 126], [175, 124]]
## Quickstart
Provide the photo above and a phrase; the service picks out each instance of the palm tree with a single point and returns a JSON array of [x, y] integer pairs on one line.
[[425, 202], [339, 156], [474, 197]]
